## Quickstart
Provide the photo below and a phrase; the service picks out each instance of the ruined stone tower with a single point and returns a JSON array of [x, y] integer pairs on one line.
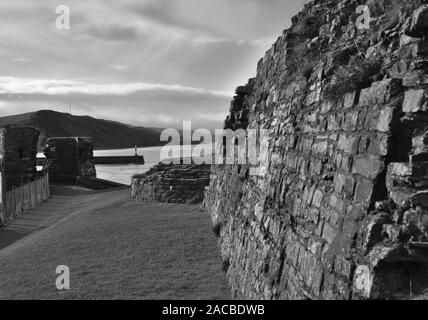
[[70, 158]]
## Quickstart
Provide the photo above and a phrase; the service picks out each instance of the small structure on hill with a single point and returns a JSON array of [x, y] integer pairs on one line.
[[70, 158], [22, 186], [172, 183]]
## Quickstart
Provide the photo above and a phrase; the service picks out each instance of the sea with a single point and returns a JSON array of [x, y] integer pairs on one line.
[[123, 173]]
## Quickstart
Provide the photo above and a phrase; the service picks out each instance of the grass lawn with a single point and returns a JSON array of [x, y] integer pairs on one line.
[[118, 249]]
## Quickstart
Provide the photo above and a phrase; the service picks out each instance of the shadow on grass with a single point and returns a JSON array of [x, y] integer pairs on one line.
[[8, 237]]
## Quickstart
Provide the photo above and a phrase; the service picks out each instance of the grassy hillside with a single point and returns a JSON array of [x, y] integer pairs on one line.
[[105, 134]]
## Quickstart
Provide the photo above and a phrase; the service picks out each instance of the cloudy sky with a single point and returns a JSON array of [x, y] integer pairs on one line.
[[143, 62]]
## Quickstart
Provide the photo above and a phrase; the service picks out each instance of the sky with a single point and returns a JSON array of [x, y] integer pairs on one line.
[[153, 63]]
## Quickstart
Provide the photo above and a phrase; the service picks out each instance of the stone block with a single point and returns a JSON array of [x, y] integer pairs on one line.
[[320, 147], [356, 212], [378, 145], [348, 144], [337, 203], [420, 143], [317, 199], [363, 192], [350, 122], [327, 106], [369, 167], [412, 176], [419, 22], [329, 233], [385, 119], [363, 281], [371, 119], [346, 162], [333, 123], [243, 90], [415, 101], [399, 69], [415, 78], [400, 197], [380, 92], [339, 183]]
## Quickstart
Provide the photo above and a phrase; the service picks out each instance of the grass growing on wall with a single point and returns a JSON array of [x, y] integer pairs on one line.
[[356, 75]]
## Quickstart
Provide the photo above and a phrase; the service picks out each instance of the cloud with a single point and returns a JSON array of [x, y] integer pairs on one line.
[[146, 62], [21, 60], [135, 103], [237, 20], [17, 86], [112, 32], [119, 67]]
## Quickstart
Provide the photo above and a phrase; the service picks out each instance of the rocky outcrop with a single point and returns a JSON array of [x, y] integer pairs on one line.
[[341, 210], [172, 183], [240, 108]]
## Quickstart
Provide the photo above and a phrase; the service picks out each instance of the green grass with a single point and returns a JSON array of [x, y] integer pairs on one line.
[[117, 249]]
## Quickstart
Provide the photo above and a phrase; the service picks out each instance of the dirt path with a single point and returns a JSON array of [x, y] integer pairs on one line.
[[115, 249]]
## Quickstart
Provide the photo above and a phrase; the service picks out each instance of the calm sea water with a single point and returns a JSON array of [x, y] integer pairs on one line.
[[124, 173]]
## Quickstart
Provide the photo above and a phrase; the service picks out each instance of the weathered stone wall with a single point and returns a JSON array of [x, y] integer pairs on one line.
[[342, 209], [21, 199], [70, 158], [173, 183]]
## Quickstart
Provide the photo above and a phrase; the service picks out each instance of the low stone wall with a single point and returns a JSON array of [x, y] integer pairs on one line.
[[175, 183], [19, 200]]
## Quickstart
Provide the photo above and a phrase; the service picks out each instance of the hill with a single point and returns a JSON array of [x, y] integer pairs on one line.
[[105, 134]]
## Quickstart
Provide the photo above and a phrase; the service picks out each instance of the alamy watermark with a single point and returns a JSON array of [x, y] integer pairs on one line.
[[63, 280], [62, 21], [364, 20], [221, 147]]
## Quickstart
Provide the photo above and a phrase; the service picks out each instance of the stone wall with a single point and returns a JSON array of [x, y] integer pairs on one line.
[[70, 158], [21, 199], [342, 209], [172, 183]]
